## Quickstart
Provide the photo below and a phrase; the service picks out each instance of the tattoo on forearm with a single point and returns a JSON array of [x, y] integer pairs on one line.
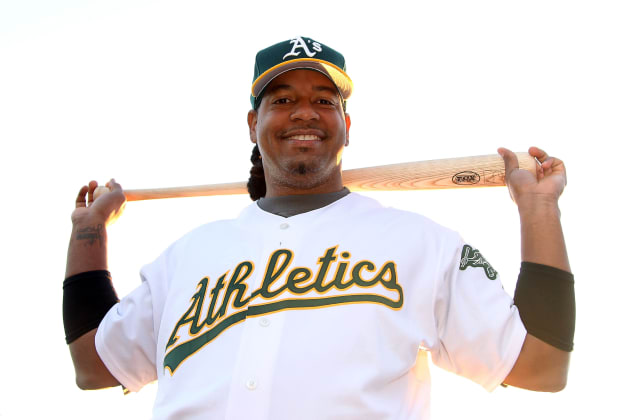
[[91, 234]]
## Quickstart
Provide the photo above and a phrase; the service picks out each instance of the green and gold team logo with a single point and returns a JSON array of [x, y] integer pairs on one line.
[[471, 257], [215, 306]]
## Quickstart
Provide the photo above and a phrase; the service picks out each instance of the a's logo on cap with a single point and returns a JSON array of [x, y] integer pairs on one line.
[[298, 43]]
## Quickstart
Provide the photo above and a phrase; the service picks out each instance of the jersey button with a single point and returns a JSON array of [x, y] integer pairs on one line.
[[284, 226], [264, 322], [251, 384]]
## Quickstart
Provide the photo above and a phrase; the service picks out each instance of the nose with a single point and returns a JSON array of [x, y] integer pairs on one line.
[[304, 111]]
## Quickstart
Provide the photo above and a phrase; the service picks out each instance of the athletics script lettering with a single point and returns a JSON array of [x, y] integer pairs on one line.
[[336, 281]]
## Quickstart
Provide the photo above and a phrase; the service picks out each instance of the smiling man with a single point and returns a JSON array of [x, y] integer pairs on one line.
[[315, 302], [301, 129]]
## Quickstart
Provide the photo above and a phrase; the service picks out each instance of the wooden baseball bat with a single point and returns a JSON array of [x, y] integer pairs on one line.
[[462, 172]]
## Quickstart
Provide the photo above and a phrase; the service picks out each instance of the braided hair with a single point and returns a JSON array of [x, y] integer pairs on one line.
[[256, 184]]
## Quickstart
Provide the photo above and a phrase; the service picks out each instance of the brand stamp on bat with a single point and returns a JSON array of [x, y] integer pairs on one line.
[[466, 178]]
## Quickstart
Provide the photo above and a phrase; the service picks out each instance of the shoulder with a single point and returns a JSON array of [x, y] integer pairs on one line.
[[394, 218], [205, 236], [220, 227]]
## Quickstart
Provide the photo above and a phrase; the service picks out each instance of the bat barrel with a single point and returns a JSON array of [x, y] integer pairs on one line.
[[466, 172]]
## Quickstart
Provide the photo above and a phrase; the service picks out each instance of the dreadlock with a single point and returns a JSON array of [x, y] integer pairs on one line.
[[256, 184]]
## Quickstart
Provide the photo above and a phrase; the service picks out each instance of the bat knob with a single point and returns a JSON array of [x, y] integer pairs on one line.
[[100, 191]]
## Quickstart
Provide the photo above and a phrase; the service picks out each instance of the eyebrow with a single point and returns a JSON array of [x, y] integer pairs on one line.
[[326, 89], [322, 88], [277, 87]]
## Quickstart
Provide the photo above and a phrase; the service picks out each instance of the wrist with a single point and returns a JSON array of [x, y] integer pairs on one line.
[[89, 230], [87, 249], [85, 220], [538, 206], [542, 239]]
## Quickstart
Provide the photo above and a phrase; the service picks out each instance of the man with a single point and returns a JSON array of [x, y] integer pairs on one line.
[[314, 301]]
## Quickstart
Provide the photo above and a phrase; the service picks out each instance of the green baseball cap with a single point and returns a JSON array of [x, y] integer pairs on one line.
[[299, 53]]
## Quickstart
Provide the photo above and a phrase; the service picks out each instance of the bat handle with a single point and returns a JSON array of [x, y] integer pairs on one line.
[[191, 191]]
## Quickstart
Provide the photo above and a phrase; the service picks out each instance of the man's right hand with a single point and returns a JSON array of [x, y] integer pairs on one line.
[[88, 242], [105, 210]]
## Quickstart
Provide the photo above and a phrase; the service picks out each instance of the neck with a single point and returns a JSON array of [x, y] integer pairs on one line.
[[301, 185]]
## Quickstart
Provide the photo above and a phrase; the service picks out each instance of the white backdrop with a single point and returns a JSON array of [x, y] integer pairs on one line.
[[155, 93]]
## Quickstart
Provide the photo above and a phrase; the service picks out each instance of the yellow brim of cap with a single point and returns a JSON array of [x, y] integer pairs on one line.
[[336, 75]]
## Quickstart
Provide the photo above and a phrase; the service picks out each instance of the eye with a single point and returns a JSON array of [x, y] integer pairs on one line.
[[281, 101], [324, 101]]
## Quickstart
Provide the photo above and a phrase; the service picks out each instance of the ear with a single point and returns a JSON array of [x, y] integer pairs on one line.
[[348, 122], [252, 121]]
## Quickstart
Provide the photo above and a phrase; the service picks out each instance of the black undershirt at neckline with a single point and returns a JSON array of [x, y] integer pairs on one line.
[[291, 205]]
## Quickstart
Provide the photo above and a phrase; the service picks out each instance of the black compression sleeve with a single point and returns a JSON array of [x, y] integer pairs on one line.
[[86, 299], [545, 298]]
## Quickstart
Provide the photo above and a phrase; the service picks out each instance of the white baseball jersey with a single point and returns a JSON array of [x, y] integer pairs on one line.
[[315, 316]]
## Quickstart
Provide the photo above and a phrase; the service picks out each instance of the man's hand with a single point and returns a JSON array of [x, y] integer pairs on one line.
[[106, 209], [548, 184], [537, 197], [88, 242]]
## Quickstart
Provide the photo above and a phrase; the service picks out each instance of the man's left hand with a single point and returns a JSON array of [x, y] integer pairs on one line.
[[547, 184]]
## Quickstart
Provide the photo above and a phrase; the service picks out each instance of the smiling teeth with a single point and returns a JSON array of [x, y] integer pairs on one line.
[[305, 137]]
